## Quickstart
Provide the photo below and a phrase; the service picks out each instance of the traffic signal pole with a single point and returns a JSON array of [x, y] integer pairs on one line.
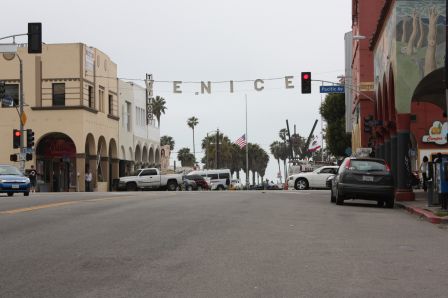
[[21, 103]]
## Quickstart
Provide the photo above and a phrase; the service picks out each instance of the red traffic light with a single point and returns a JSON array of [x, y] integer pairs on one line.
[[306, 76], [17, 133]]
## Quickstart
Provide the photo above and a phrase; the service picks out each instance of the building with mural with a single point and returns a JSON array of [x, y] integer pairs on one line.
[[409, 48]]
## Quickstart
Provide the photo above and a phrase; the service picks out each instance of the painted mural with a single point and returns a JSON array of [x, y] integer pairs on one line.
[[414, 42]]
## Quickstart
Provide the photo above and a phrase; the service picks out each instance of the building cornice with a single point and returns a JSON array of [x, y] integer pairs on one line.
[[58, 108], [381, 23]]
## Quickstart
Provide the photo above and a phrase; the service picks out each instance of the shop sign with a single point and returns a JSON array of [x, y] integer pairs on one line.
[[437, 133]]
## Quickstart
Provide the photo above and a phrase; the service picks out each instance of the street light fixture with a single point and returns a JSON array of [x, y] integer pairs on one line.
[[359, 37]]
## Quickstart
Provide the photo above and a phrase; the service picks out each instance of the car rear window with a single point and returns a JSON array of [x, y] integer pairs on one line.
[[367, 165]]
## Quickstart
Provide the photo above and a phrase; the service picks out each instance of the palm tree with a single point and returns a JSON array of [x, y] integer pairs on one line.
[[158, 107], [167, 140], [186, 157], [284, 148], [275, 151], [192, 122]]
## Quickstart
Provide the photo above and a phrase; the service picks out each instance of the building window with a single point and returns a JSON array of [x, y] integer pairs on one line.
[[111, 104], [12, 91], [101, 99], [58, 94], [91, 98], [128, 116]]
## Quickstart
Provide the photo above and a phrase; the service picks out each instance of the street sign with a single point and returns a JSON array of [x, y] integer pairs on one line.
[[28, 150], [7, 101], [332, 89]]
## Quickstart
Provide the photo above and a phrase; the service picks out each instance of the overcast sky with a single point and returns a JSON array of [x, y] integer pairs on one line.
[[207, 40]]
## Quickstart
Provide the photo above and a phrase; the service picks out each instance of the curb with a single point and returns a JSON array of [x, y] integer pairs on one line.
[[428, 215]]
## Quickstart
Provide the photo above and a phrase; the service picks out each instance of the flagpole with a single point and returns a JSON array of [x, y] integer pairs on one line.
[[247, 152]]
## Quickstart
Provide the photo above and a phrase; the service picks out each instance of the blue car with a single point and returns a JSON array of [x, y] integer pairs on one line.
[[13, 181]]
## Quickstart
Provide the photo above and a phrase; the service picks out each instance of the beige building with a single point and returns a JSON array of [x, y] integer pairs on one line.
[[139, 139], [70, 92]]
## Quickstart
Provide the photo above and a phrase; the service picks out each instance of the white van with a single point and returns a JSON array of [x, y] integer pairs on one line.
[[220, 179]]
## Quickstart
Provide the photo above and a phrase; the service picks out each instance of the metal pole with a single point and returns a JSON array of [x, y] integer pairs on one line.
[[446, 59], [21, 103], [206, 152], [247, 151]]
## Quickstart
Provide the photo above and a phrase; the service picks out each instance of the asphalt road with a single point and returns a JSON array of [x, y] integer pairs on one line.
[[215, 244]]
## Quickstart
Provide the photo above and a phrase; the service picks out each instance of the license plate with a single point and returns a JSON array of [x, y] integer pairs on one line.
[[15, 186], [367, 178]]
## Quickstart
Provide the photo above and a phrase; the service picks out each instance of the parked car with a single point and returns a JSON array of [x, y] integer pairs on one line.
[[314, 179], [188, 184], [236, 184], [201, 182], [363, 178], [220, 178], [13, 181], [149, 178]]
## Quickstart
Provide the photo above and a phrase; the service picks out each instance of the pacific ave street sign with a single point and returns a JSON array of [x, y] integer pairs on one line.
[[332, 89]]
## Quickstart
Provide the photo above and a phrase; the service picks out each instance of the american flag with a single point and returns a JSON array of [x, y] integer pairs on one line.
[[241, 141]]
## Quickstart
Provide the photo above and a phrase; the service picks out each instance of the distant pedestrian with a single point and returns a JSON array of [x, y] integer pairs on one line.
[[33, 178], [88, 179], [424, 171]]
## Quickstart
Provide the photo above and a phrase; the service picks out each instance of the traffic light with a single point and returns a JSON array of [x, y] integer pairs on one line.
[[34, 38], [17, 135], [13, 157], [29, 156], [2, 90], [306, 82], [29, 138]]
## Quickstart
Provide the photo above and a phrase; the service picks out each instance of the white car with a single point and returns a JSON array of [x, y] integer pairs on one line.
[[314, 179], [236, 184]]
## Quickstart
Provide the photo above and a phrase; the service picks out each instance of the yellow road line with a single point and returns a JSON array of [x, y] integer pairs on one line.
[[54, 205], [15, 211]]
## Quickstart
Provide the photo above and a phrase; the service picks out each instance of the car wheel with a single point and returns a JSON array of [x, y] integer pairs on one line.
[[131, 187], [332, 197], [220, 187], [26, 193], [301, 184], [10, 194], [339, 198], [172, 186], [189, 188], [380, 204], [390, 203], [199, 188]]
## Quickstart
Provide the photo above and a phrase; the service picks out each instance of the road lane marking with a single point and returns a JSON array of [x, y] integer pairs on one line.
[[54, 205], [27, 209]]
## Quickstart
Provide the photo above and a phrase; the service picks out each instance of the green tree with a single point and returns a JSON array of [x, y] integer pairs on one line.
[[158, 107], [167, 140], [192, 122], [333, 111], [185, 157]]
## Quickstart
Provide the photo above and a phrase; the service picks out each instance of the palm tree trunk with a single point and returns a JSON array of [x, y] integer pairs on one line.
[[279, 170], [284, 167], [194, 151]]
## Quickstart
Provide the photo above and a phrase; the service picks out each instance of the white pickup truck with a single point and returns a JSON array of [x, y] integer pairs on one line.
[[149, 178]]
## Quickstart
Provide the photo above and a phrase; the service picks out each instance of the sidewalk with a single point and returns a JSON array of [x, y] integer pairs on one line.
[[420, 208]]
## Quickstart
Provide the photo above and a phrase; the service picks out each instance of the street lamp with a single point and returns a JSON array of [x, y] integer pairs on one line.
[[359, 37]]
